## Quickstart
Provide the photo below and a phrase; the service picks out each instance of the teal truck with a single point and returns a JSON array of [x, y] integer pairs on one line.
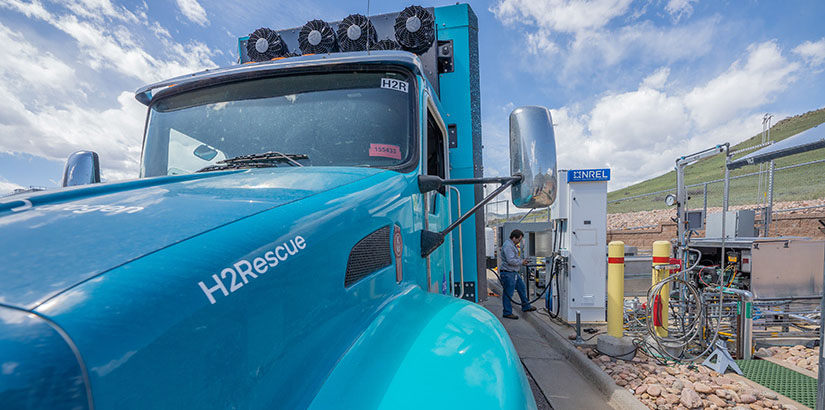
[[306, 232]]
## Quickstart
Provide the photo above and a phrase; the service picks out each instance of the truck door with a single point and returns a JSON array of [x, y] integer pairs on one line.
[[439, 263]]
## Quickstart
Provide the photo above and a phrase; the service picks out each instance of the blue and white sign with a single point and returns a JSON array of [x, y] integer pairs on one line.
[[587, 175]]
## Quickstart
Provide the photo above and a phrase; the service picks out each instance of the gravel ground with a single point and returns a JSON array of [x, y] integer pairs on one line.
[[683, 386], [799, 356], [655, 217]]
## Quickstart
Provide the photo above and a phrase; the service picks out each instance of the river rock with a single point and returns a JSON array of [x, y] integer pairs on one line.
[[747, 398], [717, 400], [641, 389], [690, 398], [702, 388], [654, 390], [720, 380]]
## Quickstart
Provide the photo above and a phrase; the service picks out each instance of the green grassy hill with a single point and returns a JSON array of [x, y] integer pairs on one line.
[[792, 184]]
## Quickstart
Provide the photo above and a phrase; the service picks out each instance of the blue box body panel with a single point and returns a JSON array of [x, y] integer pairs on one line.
[[461, 101]]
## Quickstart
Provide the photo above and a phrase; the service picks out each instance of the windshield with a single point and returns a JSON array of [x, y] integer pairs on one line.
[[359, 118]]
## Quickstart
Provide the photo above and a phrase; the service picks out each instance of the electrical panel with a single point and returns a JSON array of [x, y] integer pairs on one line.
[[738, 224]]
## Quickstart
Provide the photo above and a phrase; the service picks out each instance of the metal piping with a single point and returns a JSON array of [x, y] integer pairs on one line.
[[745, 340]]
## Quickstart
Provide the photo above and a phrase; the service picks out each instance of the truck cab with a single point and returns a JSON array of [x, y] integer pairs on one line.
[[277, 250]]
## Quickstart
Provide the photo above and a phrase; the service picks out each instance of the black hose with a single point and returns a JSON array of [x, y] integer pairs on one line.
[[553, 273], [522, 304]]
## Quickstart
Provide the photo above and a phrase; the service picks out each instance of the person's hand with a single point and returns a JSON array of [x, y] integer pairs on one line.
[[525, 262]]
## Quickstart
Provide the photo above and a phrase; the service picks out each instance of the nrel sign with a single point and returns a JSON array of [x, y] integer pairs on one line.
[[586, 175]]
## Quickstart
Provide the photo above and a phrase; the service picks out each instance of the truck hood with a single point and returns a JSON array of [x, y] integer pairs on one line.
[[52, 241]]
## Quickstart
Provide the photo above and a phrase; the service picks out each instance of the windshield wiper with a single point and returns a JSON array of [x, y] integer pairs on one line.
[[262, 160]]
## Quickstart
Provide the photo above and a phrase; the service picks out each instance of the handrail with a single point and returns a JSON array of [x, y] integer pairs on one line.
[[460, 245]]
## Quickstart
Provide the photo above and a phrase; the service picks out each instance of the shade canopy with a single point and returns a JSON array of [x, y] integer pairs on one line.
[[805, 141]]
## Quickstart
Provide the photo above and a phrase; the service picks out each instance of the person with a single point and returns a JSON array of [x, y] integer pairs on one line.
[[509, 274]]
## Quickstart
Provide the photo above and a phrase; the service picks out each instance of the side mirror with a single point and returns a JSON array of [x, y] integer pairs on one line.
[[82, 167], [533, 155]]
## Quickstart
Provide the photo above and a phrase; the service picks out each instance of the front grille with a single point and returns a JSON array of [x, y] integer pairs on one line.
[[368, 255]]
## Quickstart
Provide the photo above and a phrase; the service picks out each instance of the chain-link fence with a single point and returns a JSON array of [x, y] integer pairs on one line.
[[785, 185]]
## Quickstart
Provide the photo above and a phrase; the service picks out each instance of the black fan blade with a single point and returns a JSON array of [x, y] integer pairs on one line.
[[354, 32], [415, 29], [317, 37], [265, 44]]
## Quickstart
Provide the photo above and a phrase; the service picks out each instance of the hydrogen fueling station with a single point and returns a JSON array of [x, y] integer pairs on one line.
[[312, 228]]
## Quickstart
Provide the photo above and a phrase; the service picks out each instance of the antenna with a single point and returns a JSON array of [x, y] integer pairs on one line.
[[368, 21]]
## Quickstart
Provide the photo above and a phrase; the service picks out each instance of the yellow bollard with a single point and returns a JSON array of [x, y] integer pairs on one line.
[[661, 256], [615, 289]]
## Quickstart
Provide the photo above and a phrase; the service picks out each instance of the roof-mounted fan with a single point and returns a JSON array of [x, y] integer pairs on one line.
[[317, 37], [386, 44], [414, 29], [353, 32], [265, 44]]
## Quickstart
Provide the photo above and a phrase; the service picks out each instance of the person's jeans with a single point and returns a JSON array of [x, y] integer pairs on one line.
[[510, 281]]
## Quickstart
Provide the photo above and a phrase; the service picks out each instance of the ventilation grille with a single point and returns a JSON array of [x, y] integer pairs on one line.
[[368, 255]]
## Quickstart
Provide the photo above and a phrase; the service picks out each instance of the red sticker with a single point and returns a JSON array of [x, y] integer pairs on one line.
[[385, 150]]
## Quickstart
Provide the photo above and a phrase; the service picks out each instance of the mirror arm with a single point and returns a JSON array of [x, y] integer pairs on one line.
[[430, 241], [427, 183]]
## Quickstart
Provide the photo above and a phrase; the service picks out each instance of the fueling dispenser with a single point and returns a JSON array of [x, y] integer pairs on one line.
[[580, 218]]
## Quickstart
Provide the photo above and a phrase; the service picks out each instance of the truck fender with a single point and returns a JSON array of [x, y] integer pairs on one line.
[[430, 351]]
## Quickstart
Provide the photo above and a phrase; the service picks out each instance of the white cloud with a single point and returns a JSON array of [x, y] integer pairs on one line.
[[111, 47], [193, 11], [98, 9], [570, 16], [679, 8], [812, 52], [639, 133], [25, 68], [658, 79], [743, 86], [7, 187], [645, 116], [55, 132], [45, 110], [578, 36]]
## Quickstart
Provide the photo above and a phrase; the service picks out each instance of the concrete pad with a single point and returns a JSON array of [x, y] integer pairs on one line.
[[564, 375], [530, 348], [620, 347]]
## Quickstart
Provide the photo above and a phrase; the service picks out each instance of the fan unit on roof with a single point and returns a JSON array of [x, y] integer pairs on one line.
[[385, 44], [265, 44], [316, 37], [353, 32], [414, 29]]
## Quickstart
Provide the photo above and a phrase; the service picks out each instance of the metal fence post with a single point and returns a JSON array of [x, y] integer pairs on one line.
[[705, 205], [769, 214]]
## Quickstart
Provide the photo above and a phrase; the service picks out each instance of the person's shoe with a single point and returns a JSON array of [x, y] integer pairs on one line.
[[530, 309], [510, 316]]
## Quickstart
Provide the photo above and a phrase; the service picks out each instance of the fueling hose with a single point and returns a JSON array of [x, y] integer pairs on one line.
[[692, 330], [553, 273], [522, 304]]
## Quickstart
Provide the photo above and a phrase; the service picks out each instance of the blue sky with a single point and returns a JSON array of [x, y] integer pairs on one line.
[[631, 84]]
